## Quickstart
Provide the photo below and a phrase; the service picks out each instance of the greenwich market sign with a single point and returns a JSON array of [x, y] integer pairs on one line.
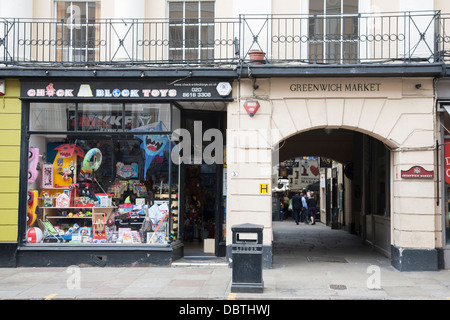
[[192, 90], [337, 88]]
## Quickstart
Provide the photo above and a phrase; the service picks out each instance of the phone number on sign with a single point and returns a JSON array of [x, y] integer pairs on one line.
[[196, 93]]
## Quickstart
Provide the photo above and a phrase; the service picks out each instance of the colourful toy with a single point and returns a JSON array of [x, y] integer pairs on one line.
[[69, 149], [32, 207], [92, 161], [47, 176], [34, 235], [72, 193], [65, 164], [127, 205], [63, 200], [153, 145], [33, 159], [127, 171], [98, 224]]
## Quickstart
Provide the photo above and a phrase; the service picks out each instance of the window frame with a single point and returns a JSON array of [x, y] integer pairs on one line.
[[321, 50], [198, 24], [88, 49]]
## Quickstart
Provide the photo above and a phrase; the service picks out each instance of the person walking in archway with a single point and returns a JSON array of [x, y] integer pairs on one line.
[[304, 208], [312, 202], [297, 207]]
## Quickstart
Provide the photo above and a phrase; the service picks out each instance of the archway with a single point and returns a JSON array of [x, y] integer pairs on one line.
[[354, 188]]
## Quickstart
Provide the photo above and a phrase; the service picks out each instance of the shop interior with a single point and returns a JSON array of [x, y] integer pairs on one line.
[[202, 194]]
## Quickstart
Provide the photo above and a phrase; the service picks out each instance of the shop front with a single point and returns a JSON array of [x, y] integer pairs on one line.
[[106, 167]]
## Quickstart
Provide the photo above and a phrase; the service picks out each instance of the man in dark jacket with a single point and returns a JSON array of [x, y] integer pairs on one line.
[[297, 206]]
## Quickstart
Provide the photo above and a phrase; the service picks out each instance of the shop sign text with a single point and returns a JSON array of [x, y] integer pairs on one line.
[[335, 87], [155, 90], [417, 172]]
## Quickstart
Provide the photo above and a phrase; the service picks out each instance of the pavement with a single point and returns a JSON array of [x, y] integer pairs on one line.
[[310, 262]]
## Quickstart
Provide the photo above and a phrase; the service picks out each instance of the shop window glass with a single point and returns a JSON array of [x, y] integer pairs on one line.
[[95, 184], [51, 117], [147, 117], [99, 117]]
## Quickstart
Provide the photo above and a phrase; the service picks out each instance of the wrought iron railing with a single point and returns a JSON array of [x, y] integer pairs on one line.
[[298, 39]]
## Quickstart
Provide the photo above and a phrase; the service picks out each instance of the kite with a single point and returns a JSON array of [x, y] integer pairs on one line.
[[153, 144]]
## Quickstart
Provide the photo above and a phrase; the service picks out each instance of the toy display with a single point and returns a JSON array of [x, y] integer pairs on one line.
[[91, 162], [34, 235], [162, 220], [32, 208], [153, 145], [98, 225], [63, 200], [33, 160], [47, 176], [46, 199], [65, 165], [71, 205], [127, 171]]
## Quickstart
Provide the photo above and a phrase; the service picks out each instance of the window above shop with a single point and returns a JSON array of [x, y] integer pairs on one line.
[[78, 31]]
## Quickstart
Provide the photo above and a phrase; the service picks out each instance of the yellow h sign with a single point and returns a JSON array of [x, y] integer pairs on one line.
[[263, 188]]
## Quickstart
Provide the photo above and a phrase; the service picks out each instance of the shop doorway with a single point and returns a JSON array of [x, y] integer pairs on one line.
[[201, 194]]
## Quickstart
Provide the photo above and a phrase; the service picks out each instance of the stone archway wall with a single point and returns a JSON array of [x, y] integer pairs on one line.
[[396, 111]]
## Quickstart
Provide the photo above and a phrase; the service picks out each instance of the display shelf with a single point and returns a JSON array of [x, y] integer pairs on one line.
[[52, 212]]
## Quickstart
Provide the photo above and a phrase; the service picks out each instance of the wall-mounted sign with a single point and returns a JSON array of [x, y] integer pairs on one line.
[[338, 86], [325, 162], [263, 188], [417, 172], [447, 160], [192, 90]]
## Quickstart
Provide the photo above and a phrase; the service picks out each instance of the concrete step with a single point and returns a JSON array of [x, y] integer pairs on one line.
[[200, 262]]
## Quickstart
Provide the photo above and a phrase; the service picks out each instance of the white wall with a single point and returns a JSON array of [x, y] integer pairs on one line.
[[16, 9]]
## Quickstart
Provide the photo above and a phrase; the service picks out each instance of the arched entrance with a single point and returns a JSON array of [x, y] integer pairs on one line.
[[354, 188], [395, 115]]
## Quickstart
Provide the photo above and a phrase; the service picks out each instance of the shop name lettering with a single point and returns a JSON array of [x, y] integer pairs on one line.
[[340, 87], [86, 91]]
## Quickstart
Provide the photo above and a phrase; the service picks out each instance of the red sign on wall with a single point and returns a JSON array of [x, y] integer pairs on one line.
[[417, 172], [447, 160]]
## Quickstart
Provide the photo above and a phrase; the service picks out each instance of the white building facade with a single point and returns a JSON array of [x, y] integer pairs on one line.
[[359, 82]]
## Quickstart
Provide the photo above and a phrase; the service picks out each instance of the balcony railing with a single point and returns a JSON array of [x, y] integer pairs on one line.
[[406, 37]]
